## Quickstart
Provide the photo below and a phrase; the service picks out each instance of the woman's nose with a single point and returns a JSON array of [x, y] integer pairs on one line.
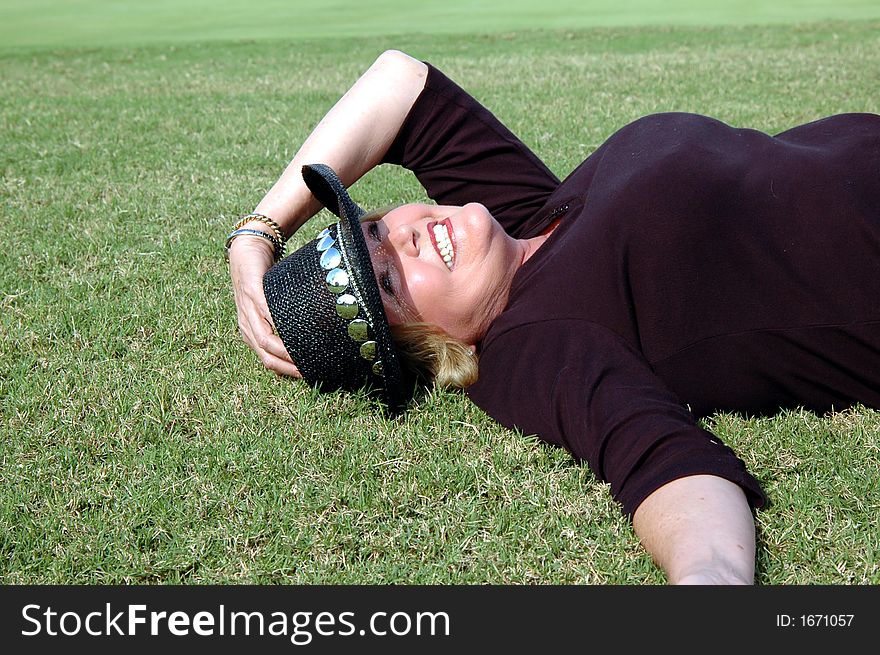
[[405, 239]]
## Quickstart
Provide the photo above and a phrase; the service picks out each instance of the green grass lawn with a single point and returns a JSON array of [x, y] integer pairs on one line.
[[98, 23], [140, 440]]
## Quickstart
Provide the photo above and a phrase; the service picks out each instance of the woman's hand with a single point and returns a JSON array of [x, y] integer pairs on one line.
[[249, 259]]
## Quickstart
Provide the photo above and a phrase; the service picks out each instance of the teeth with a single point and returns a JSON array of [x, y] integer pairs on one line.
[[441, 235]]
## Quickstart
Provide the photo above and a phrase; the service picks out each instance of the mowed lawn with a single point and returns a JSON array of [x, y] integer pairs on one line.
[[99, 23], [140, 440]]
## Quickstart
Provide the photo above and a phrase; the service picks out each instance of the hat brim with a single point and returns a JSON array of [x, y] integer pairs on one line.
[[329, 190]]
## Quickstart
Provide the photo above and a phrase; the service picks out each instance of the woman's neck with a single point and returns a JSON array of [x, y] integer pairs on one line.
[[531, 246]]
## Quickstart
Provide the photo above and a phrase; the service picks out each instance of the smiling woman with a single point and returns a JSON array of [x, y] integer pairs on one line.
[[447, 266], [429, 353], [684, 267]]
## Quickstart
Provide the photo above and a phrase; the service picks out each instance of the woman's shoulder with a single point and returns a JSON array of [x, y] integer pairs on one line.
[[677, 129], [667, 131], [670, 122], [671, 148], [647, 144]]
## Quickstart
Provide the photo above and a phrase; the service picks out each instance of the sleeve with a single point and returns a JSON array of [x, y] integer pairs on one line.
[[461, 153], [598, 398]]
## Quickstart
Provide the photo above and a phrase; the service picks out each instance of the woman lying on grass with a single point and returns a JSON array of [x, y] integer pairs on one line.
[[685, 267]]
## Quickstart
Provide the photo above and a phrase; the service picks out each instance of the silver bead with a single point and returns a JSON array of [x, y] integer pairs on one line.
[[325, 242], [337, 280], [347, 306], [377, 369], [359, 330], [330, 259], [368, 350]]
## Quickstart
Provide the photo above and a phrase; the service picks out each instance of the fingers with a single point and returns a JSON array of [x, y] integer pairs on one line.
[[257, 333], [278, 365], [273, 345], [254, 320], [274, 355]]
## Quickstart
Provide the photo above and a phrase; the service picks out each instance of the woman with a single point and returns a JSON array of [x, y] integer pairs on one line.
[[685, 267]]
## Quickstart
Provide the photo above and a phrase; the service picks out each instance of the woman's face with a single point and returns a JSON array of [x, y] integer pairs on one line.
[[450, 266]]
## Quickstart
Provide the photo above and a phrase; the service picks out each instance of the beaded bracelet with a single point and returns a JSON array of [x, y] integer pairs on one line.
[[268, 221], [277, 248]]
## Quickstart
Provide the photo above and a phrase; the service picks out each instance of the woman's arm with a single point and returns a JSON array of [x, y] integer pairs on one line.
[[460, 152], [580, 385], [699, 529], [352, 138]]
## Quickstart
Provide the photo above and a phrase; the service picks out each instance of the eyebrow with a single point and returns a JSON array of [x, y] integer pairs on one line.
[[403, 310]]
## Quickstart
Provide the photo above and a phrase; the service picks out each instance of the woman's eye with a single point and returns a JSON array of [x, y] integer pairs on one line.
[[387, 286], [373, 229]]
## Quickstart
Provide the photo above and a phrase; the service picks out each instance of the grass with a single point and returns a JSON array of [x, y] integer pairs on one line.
[[90, 23], [141, 442]]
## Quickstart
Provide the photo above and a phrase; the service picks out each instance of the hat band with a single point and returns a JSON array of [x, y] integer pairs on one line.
[[339, 283]]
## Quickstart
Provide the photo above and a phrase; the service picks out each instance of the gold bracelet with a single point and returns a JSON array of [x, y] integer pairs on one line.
[[282, 240]]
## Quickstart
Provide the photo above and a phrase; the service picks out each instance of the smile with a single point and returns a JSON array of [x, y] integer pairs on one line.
[[443, 243]]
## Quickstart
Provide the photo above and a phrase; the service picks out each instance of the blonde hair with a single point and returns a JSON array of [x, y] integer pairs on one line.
[[427, 351], [434, 356]]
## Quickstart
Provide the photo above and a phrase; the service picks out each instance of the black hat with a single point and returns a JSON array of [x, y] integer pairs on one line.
[[326, 305]]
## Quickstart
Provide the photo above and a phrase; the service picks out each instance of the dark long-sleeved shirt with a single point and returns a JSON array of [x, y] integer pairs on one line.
[[697, 267]]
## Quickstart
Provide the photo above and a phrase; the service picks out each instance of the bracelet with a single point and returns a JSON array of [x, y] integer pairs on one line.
[[276, 247], [282, 240]]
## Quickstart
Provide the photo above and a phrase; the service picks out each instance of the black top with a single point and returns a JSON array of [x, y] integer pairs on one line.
[[697, 267]]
